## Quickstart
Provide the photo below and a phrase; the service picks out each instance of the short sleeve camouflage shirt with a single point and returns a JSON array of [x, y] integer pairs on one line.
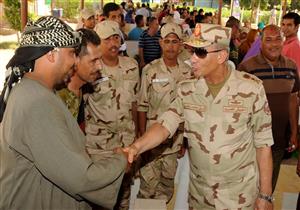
[[222, 133]]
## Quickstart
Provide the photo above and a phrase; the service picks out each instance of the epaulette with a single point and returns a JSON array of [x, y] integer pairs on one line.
[[128, 62], [151, 64], [249, 77]]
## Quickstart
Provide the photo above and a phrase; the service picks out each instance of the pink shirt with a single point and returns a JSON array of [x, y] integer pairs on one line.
[[291, 49]]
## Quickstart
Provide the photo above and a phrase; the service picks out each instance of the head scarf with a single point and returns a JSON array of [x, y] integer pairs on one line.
[[37, 39]]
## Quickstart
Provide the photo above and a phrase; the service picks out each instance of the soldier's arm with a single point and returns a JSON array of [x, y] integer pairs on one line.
[[135, 117], [154, 136], [142, 122], [143, 102], [263, 140], [159, 131], [265, 166]]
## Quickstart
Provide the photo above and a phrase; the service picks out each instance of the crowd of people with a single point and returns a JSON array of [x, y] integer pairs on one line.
[[80, 119]]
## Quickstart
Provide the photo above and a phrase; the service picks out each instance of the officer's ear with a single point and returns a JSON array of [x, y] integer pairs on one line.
[[222, 56]]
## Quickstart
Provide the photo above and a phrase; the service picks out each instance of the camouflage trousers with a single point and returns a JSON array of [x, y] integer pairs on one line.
[[233, 195], [157, 178]]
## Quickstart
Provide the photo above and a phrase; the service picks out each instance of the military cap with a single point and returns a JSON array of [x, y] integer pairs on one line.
[[171, 28], [207, 34], [107, 28], [86, 13]]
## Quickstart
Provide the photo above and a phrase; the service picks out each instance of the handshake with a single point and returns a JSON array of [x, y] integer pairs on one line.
[[131, 153]]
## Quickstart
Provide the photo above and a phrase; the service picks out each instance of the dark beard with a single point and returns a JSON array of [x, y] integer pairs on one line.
[[62, 85]]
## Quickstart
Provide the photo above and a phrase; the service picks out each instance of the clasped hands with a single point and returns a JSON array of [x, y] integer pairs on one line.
[[130, 152]]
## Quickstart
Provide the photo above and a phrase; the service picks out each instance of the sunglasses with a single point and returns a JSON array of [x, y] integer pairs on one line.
[[202, 53]]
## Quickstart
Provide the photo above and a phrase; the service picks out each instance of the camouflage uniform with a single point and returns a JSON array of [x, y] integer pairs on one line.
[[71, 100], [158, 90], [108, 112], [223, 133]]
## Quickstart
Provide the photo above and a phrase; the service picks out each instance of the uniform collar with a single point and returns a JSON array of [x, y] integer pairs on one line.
[[202, 87], [165, 68]]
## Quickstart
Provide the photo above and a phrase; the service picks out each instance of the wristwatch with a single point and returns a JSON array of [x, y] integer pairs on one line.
[[266, 197]]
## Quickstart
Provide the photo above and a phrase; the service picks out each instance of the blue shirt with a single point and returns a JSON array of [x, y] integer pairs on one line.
[[150, 45], [135, 33]]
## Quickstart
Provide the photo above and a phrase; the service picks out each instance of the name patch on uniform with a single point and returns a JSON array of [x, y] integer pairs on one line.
[[233, 102], [160, 80], [234, 109], [195, 107]]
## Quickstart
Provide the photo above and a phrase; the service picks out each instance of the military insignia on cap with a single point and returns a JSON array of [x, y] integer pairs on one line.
[[169, 28], [207, 34]]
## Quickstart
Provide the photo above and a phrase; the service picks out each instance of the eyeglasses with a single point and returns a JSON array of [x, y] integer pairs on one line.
[[202, 53]]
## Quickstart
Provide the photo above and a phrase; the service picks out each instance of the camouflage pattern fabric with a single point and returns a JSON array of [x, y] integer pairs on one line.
[[158, 90], [108, 114], [157, 178], [223, 133], [109, 122], [71, 100]]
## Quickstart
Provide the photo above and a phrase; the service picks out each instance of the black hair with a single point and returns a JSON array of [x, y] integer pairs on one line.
[[151, 19], [294, 16], [138, 19], [109, 7], [232, 21], [88, 36], [123, 4]]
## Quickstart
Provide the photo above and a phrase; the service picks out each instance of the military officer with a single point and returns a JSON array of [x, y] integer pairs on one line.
[[111, 111], [228, 127], [160, 79]]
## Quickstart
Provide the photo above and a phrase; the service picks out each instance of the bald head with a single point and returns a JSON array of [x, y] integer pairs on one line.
[[271, 28]]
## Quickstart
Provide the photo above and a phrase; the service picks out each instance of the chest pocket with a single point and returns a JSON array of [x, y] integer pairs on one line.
[[162, 85], [130, 88], [102, 94], [194, 113], [235, 119]]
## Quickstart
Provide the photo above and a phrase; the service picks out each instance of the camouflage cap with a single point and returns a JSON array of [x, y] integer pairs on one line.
[[107, 28], [171, 28], [86, 13], [207, 34]]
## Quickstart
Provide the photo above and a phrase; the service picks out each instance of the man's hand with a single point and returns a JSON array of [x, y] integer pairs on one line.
[[132, 153], [261, 204], [119, 150], [293, 144]]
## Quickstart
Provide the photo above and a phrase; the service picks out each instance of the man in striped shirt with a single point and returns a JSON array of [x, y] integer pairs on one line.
[[281, 82], [149, 48]]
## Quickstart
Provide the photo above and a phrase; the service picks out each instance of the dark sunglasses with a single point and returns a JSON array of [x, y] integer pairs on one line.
[[201, 52]]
